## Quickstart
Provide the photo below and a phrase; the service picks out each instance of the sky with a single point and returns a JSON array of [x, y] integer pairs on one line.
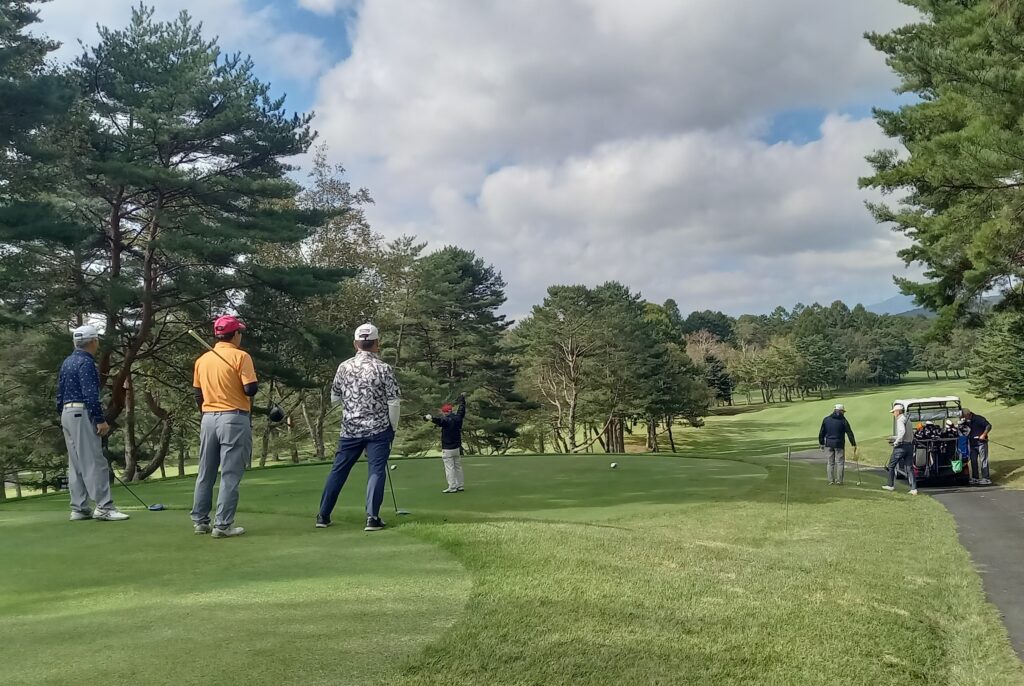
[[702, 150]]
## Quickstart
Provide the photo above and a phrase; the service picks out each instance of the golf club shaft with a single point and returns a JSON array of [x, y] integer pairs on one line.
[[1003, 445], [392, 486], [129, 490]]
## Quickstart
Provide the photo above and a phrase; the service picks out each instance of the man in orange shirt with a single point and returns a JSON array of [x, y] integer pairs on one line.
[[224, 383]]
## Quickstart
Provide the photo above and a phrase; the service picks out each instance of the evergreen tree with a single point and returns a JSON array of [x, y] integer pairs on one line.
[[452, 342], [718, 379], [998, 369], [962, 180]]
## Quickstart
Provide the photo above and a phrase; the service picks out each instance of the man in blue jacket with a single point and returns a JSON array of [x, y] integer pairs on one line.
[[832, 439], [451, 443], [83, 423]]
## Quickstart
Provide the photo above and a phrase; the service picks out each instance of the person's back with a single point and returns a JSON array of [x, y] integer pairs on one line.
[[834, 430], [367, 389], [364, 384]]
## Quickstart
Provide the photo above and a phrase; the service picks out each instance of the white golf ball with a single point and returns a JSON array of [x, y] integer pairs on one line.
[[615, 465], [394, 466]]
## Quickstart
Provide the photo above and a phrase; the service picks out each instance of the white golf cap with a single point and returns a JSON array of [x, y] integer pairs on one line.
[[897, 406], [367, 332], [85, 333], [840, 408]]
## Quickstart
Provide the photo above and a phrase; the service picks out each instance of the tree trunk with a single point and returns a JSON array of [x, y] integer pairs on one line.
[[130, 444], [315, 423], [265, 446], [671, 438], [293, 443], [652, 436], [17, 484], [182, 453], [3, 487], [572, 423]]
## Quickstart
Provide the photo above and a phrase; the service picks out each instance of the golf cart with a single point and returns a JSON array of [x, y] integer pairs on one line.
[[935, 456]]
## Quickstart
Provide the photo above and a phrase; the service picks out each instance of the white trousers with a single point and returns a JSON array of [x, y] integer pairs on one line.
[[453, 467]]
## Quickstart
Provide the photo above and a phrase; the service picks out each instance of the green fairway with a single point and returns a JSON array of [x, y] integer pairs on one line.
[[548, 570], [749, 430]]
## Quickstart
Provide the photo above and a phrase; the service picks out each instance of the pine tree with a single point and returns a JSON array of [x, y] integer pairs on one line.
[[453, 342], [998, 370], [963, 193], [718, 380]]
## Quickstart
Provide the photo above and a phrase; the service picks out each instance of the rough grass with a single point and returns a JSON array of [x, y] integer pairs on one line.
[[548, 570]]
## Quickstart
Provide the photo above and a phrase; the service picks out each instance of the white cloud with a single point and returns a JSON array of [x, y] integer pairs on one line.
[[326, 7], [251, 27], [586, 140], [711, 219]]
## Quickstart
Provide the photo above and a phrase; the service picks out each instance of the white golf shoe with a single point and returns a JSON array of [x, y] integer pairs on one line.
[[109, 515], [913, 491], [889, 488], [202, 529], [450, 490], [229, 532], [79, 516]]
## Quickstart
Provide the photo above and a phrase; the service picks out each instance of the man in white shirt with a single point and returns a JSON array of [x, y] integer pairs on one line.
[[902, 451], [368, 391]]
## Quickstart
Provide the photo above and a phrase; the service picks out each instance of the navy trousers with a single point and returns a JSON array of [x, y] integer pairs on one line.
[[378, 449]]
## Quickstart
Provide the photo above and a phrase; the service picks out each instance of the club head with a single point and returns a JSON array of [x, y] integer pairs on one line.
[[156, 507], [403, 512]]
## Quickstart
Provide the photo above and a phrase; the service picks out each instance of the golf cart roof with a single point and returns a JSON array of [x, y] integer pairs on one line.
[[940, 401]]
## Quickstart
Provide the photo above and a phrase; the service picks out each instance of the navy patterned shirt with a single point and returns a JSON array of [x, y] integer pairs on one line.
[[79, 382], [364, 384]]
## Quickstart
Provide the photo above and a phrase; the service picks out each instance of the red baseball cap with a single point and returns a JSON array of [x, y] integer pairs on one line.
[[227, 324], [446, 408]]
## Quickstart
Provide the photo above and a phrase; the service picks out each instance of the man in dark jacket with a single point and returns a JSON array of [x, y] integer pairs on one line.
[[832, 439], [977, 429], [451, 443]]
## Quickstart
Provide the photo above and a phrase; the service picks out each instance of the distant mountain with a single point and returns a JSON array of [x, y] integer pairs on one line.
[[898, 304], [903, 306]]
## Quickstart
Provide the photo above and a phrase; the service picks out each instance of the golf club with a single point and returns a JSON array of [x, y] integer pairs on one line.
[[1003, 445], [857, 461], [393, 499], [155, 507]]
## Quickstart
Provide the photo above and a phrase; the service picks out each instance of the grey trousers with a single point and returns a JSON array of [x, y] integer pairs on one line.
[[836, 466], [88, 471], [225, 441], [453, 467], [979, 449]]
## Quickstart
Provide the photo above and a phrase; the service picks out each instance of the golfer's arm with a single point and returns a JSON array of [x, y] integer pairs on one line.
[[198, 392]]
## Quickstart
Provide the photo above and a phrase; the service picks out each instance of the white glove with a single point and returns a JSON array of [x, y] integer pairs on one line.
[[427, 417]]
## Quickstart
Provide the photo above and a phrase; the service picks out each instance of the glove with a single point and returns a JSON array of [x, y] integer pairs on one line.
[[821, 447], [427, 417]]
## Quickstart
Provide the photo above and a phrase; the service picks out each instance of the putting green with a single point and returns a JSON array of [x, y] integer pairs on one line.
[[146, 601]]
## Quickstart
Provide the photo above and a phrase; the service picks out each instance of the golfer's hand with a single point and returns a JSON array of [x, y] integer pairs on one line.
[[427, 417], [854, 450], [821, 447], [102, 429]]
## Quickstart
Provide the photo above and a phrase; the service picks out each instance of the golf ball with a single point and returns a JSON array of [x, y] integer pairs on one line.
[[394, 466], [615, 465]]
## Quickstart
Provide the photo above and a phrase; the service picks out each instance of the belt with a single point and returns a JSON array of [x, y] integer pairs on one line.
[[242, 412], [74, 406]]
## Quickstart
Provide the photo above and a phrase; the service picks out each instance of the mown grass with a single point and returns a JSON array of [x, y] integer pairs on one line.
[[548, 570]]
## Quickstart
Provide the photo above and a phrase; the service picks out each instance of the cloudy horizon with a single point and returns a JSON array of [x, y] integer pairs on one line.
[[701, 150]]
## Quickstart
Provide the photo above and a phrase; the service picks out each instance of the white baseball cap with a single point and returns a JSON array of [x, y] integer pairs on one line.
[[840, 408], [367, 332], [85, 333], [897, 406]]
